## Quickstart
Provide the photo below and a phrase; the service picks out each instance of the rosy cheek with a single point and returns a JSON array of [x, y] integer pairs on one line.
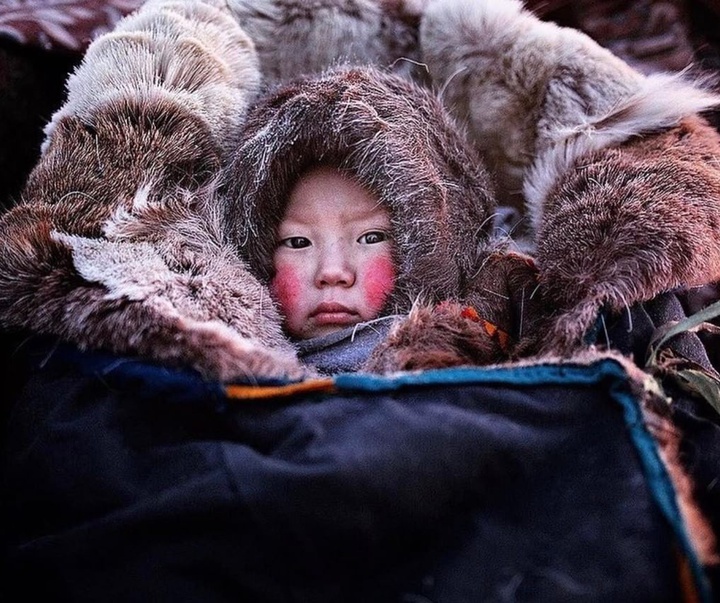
[[286, 290], [379, 282]]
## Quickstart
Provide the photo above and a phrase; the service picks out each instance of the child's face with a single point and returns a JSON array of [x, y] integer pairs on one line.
[[333, 261]]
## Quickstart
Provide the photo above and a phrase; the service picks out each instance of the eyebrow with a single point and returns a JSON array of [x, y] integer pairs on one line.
[[365, 216]]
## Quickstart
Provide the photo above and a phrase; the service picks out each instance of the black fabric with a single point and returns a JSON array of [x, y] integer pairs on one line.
[[631, 332], [120, 490]]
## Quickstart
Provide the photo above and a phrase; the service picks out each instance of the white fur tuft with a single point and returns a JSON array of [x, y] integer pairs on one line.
[[190, 53], [661, 101]]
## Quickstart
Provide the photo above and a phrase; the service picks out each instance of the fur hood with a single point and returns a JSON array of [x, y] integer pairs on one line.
[[398, 142]]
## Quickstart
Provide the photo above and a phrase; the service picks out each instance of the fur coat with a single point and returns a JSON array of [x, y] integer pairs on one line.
[[134, 227], [121, 241], [118, 243], [618, 170]]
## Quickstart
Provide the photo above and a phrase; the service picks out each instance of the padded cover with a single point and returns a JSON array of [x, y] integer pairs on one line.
[[132, 482]]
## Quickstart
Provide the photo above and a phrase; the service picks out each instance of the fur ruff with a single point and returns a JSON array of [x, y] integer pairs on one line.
[[398, 142]]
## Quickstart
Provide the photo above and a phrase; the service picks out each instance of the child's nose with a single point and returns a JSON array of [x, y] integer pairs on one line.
[[334, 270]]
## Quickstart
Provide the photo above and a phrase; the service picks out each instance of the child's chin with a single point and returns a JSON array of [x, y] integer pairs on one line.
[[320, 330]]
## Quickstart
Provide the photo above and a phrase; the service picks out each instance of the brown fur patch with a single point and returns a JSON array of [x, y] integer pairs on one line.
[[437, 337], [628, 223], [505, 292], [117, 242]]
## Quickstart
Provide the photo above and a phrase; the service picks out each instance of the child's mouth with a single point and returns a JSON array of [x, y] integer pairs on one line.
[[333, 313]]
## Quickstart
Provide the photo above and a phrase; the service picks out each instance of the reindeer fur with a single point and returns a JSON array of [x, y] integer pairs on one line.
[[117, 243], [304, 37], [620, 174]]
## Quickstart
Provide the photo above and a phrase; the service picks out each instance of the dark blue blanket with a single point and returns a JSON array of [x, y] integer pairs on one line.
[[125, 481]]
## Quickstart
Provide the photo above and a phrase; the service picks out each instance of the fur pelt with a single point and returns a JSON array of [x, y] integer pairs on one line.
[[189, 52], [534, 94], [496, 318], [629, 223], [619, 173], [118, 242], [503, 291], [397, 141], [441, 336], [304, 37]]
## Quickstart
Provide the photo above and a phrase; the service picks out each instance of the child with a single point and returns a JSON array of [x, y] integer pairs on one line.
[[333, 262], [354, 195], [123, 241]]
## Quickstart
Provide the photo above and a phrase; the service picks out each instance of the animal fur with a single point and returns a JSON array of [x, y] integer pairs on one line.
[[304, 37], [523, 86], [191, 53], [503, 291], [496, 319], [619, 172], [644, 218], [118, 242], [433, 337]]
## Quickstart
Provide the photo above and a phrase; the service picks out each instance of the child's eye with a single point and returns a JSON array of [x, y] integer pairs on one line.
[[295, 242], [370, 238]]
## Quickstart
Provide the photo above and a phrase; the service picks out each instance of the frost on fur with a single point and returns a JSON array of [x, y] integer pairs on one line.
[[191, 54]]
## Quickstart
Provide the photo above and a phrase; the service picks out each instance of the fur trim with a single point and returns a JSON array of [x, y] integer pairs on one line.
[[398, 142], [191, 54], [657, 415]]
